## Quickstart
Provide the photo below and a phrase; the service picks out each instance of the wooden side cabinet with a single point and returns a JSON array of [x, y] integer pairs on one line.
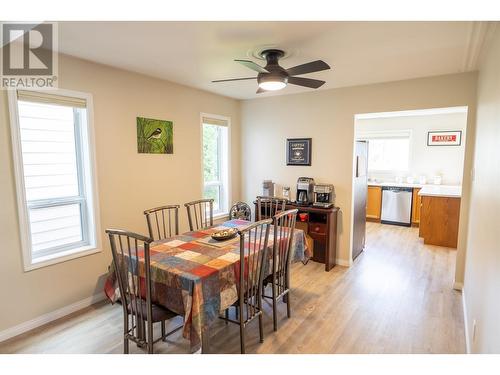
[[374, 203], [321, 226]]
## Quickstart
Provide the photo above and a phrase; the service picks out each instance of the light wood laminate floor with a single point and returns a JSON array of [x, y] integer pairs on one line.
[[396, 298]]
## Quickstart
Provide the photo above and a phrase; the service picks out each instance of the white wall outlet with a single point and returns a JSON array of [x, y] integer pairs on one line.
[[474, 329]]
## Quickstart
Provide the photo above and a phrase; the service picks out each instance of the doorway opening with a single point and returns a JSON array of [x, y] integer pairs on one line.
[[407, 177]]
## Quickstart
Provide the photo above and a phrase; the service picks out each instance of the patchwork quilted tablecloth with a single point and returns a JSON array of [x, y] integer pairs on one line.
[[196, 279]]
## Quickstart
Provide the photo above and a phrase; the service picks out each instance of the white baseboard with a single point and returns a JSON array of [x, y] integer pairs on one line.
[[466, 327], [49, 317]]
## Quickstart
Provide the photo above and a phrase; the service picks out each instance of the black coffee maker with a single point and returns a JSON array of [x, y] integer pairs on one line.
[[305, 188]]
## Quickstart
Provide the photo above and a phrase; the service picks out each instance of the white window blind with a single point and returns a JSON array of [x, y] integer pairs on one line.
[[215, 162], [48, 98], [52, 138], [214, 121]]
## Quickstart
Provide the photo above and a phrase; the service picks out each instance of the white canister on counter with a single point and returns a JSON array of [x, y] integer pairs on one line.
[[410, 179], [437, 180], [422, 180]]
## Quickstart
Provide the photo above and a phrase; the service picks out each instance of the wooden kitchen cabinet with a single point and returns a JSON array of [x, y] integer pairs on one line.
[[415, 209], [439, 220], [373, 203]]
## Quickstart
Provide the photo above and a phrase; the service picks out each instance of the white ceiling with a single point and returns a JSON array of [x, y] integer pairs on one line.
[[194, 53]]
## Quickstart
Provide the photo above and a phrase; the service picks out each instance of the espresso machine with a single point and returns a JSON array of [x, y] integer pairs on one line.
[[323, 195], [305, 187]]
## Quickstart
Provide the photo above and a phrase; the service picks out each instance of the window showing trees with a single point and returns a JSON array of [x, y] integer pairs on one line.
[[215, 163]]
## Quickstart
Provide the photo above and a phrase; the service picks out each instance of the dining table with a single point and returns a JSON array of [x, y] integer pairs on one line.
[[194, 276]]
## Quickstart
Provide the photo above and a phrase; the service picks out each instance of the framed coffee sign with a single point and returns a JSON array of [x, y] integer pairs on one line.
[[446, 138], [298, 151]]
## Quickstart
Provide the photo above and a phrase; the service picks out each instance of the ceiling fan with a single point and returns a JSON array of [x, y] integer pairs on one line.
[[273, 77]]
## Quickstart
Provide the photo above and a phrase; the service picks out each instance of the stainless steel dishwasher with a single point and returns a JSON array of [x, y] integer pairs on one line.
[[396, 205]]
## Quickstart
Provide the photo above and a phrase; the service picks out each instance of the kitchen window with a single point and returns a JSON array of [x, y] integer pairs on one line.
[[54, 167], [388, 151], [215, 150]]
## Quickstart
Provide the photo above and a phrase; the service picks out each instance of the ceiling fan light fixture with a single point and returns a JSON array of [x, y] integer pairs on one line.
[[274, 77], [272, 85], [272, 82]]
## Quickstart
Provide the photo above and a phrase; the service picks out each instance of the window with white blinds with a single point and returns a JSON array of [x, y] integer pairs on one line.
[[55, 176]]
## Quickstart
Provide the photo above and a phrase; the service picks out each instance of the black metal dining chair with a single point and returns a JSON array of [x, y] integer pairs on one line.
[[163, 222], [134, 281], [253, 258], [200, 214], [241, 211], [267, 207], [279, 279]]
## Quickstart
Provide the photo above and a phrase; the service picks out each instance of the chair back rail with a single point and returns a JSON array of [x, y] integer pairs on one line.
[[267, 207], [241, 211], [253, 255], [284, 225], [163, 222], [200, 214], [133, 282]]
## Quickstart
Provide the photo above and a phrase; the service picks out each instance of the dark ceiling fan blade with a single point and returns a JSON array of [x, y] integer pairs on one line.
[[259, 91], [306, 82], [233, 79], [310, 67], [252, 65]]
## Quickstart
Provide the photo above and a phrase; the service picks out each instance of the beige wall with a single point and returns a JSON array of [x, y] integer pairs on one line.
[[128, 182], [482, 275], [328, 118]]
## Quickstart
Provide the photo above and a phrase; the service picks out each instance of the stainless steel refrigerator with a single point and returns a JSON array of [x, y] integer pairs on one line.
[[360, 188]]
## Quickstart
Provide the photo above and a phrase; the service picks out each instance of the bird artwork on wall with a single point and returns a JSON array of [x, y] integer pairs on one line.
[[154, 136]]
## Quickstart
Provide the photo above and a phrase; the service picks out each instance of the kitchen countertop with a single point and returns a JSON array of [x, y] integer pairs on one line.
[[402, 184], [441, 191], [451, 191]]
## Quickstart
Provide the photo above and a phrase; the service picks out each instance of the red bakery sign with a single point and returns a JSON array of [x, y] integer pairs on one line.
[[446, 138]]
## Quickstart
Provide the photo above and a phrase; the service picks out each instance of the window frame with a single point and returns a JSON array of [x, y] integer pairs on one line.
[[388, 134], [224, 170], [87, 181]]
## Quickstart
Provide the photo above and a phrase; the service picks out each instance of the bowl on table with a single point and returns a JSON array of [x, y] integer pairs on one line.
[[225, 234]]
